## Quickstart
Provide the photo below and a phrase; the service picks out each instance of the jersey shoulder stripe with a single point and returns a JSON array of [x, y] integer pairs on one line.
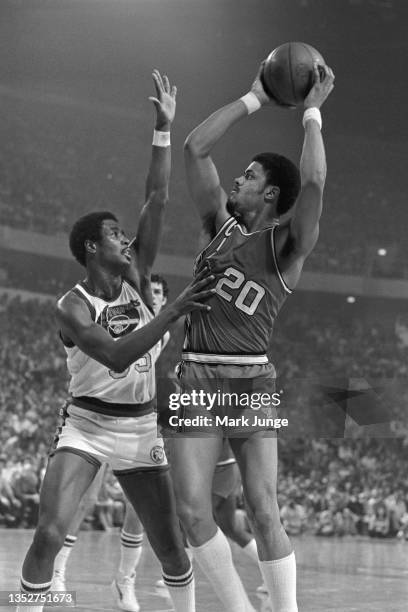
[[227, 225], [81, 293]]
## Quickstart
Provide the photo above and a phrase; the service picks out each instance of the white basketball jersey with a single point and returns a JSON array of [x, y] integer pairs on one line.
[[121, 316]]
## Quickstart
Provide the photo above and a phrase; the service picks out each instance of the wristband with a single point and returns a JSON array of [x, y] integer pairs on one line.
[[312, 113], [161, 139], [251, 102]]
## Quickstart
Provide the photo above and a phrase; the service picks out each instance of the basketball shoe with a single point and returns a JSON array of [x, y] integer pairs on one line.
[[123, 589]]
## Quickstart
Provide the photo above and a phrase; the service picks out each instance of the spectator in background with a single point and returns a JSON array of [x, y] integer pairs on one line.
[[10, 506], [293, 516], [26, 488], [379, 522]]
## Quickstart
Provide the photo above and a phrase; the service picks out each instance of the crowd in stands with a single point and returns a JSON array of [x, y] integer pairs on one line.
[[329, 484], [51, 172]]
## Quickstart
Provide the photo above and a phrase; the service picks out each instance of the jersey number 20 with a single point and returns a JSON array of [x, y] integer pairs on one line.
[[235, 280]]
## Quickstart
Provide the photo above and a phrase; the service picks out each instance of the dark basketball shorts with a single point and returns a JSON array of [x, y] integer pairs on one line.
[[223, 399]]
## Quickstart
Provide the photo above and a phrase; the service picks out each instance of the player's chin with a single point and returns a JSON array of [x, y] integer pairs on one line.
[[231, 207], [126, 259], [123, 264]]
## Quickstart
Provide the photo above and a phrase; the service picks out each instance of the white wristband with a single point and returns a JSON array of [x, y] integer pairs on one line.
[[161, 139], [251, 102], [312, 113]]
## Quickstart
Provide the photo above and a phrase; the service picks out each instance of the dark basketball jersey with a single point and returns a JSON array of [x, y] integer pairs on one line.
[[249, 293]]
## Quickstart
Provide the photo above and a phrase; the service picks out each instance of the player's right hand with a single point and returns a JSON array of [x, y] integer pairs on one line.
[[258, 89], [195, 294]]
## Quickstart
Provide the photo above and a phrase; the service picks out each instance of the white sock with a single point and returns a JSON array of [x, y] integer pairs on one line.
[[215, 559], [62, 557], [280, 578], [31, 587], [251, 550], [130, 552], [182, 590]]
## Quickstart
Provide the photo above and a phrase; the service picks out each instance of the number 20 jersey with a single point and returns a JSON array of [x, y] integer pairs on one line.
[[249, 293]]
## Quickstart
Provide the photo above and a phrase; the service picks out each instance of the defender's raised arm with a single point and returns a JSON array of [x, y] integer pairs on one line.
[[149, 232]]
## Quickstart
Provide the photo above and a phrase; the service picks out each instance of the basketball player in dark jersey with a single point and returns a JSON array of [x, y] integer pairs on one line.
[[111, 338], [256, 263]]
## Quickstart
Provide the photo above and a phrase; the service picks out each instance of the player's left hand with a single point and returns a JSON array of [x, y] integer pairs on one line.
[[165, 100]]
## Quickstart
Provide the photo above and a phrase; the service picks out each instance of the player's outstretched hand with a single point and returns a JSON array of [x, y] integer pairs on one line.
[[165, 99], [195, 294], [322, 86], [258, 89]]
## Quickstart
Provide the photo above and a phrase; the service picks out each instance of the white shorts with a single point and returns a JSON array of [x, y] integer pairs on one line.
[[125, 443]]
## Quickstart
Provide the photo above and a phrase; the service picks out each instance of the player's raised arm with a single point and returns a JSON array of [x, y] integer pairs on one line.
[[149, 231], [202, 176], [304, 225]]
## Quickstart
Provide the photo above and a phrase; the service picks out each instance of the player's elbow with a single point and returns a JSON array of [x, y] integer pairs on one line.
[[314, 180], [194, 147], [159, 198], [118, 364], [115, 360]]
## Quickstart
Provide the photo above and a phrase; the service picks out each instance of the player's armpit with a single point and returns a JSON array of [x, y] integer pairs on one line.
[[205, 188], [304, 224], [288, 259]]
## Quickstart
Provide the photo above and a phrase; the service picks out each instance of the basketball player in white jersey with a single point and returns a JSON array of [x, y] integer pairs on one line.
[[111, 339], [131, 535]]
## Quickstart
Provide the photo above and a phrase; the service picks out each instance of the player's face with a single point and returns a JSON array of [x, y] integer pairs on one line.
[[113, 245], [159, 300], [248, 191]]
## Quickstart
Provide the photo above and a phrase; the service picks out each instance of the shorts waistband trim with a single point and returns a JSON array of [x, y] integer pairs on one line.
[[227, 359], [113, 409]]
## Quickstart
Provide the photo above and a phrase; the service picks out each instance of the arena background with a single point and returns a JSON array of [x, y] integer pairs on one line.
[[75, 134]]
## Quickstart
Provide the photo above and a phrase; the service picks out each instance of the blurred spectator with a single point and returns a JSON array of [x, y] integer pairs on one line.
[[51, 172], [293, 517], [10, 506], [379, 521]]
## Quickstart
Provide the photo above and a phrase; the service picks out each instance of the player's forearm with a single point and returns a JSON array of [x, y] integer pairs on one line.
[[157, 195], [313, 159], [158, 176], [130, 348], [205, 136], [304, 225]]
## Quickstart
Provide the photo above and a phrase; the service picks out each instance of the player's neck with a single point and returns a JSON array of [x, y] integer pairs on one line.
[[103, 283], [258, 221]]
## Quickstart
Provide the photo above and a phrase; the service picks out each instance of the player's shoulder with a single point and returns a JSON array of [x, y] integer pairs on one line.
[[71, 303]]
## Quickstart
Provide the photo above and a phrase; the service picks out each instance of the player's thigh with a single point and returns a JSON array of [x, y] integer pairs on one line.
[[257, 460], [67, 477], [192, 462], [88, 501], [152, 497]]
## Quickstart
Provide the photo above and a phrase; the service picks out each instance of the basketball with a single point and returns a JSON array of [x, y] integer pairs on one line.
[[287, 74]]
